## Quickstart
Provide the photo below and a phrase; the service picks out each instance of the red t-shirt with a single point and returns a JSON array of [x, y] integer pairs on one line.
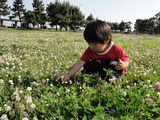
[[114, 52]]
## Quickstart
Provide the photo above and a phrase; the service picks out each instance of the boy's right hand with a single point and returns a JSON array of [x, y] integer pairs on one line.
[[62, 78]]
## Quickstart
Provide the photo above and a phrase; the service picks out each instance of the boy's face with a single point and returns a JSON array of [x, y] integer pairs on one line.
[[98, 47]]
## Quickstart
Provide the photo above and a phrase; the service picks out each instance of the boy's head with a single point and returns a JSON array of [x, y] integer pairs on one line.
[[97, 32]]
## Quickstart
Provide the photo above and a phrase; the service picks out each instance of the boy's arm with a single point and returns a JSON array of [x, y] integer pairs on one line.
[[75, 68]]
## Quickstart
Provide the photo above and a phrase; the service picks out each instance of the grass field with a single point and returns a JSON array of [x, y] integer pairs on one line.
[[30, 61]]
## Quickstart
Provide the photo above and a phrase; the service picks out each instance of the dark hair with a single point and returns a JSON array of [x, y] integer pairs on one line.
[[97, 32]]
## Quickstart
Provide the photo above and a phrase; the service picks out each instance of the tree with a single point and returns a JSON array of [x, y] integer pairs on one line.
[[53, 11], [157, 23], [122, 26], [77, 18], [18, 10], [29, 18], [89, 18], [39, 15], [115, 26], [4, 8], [64, 15], [128, 26]]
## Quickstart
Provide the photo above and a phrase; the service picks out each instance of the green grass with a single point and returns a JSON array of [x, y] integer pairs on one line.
[[30, 56]]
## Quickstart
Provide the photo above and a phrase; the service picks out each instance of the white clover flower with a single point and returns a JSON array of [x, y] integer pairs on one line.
[[7, 108], [7, 63], [4, 117], [19, 78], [25, 113], [70, 82], [47, 79], [67, 91], [58, 93], [147, 95], [33, 106], [126, 81], [25, 119], [1, 81], [18, 98], [35, 118], [51, 85], [128, 86], [14, 67], [148, 81], [154, 72], [15, 93], [145, 73], [29, 100], [158, 94], [29, 88], [20, 91], [124, 94], [80, 88], [10, 81]]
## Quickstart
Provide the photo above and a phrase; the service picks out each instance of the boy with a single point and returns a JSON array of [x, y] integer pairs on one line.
[[101, 53]]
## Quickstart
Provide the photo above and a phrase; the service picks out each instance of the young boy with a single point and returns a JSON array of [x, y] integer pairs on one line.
[[101, 53]]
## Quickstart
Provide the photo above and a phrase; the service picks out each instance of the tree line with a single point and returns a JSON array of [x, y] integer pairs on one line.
[[148, 26], [68, 16]]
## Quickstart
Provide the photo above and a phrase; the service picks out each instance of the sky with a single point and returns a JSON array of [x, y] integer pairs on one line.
[[110, 10]]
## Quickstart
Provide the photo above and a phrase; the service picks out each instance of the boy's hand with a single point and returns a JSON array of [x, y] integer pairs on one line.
[[121, 65], [63, 78]]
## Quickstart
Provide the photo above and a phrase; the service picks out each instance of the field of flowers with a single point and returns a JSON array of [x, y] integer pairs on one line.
[[30, 61]]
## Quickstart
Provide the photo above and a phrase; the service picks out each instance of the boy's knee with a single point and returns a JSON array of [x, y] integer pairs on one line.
[[91, 67]]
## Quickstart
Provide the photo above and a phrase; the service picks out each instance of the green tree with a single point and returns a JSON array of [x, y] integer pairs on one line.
[[18, 10], [53, 11], [39, 15], [29, 19], [150, 25], [145, 26], [128, 26], [89, 18], [64, 15], [157, 23], [122, 26], [115, 26], [4, 8], [77, 18]]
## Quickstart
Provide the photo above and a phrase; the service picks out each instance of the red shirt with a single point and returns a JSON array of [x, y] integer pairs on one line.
[[113, 52]]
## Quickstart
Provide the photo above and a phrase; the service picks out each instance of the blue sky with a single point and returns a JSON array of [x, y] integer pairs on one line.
[[110, 10]]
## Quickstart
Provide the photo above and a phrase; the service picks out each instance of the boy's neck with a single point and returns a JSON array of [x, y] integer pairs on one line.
[[108, 47]]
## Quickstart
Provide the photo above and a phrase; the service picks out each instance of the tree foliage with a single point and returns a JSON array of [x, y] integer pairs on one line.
[[29, 19], [40, 17], [4, 8], [18, 10], [89, 18], [64, 15]]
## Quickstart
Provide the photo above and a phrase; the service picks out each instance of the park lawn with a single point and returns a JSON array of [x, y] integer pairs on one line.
[[30, 61]]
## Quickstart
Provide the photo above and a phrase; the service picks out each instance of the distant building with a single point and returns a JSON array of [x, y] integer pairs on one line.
[[14, 22]]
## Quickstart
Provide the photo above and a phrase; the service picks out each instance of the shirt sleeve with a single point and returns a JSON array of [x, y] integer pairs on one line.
[[85, 57], [122, 55]]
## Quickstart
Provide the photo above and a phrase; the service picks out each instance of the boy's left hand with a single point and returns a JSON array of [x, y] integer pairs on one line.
[[121, 65]]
